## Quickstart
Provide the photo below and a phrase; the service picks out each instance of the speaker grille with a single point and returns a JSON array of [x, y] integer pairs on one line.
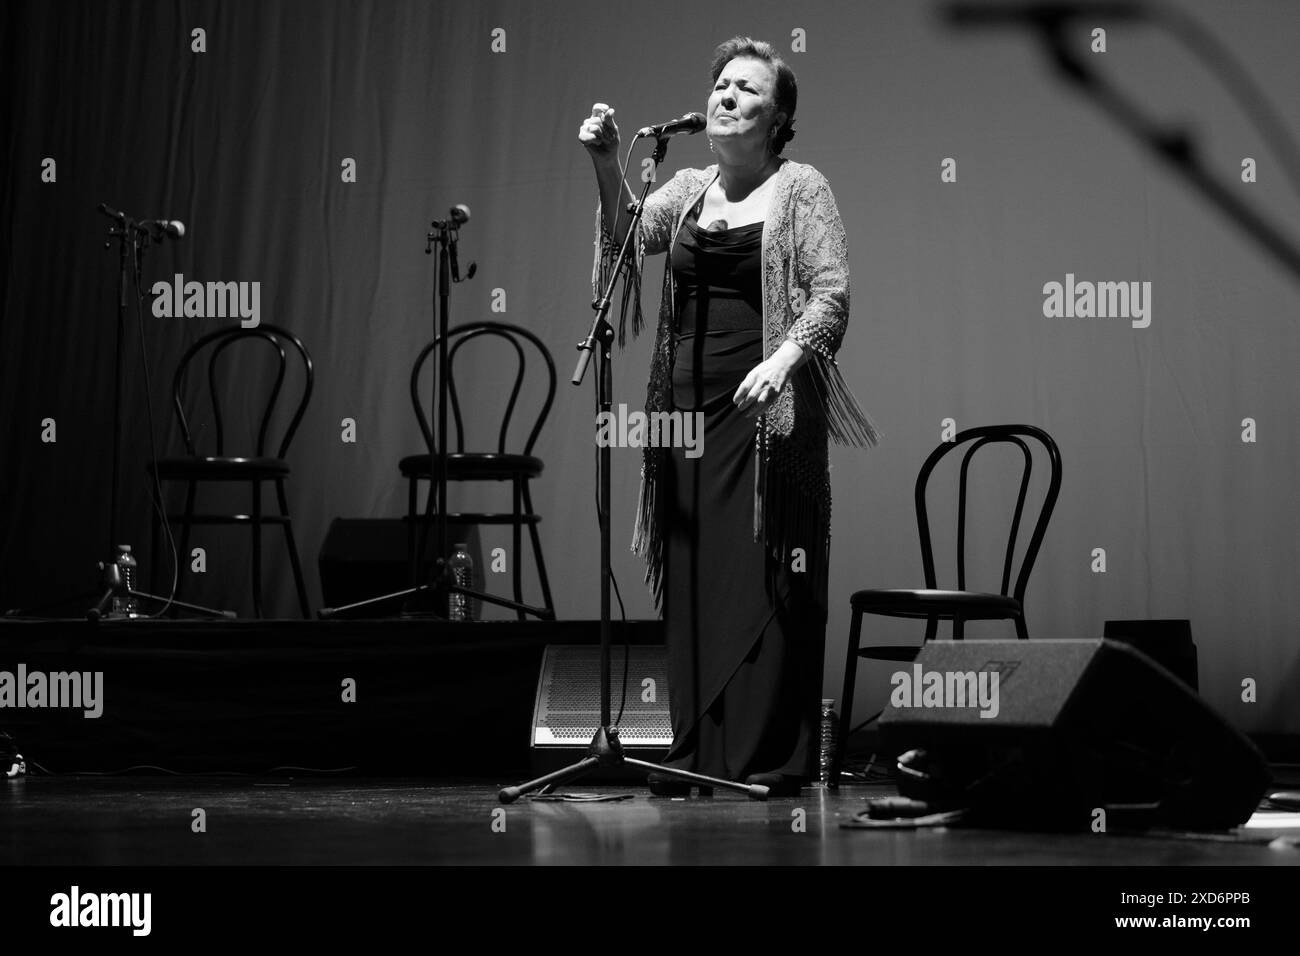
[[568, 696]]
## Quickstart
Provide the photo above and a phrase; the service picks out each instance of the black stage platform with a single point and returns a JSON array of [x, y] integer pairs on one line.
[[430, 698]]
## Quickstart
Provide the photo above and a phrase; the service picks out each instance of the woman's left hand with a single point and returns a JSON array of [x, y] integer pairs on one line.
[[765, 380]]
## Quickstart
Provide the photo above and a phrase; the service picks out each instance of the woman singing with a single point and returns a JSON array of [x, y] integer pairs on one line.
[[736, 540]]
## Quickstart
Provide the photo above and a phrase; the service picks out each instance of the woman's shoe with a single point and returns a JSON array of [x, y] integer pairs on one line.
[[662, 785], [778, 784]]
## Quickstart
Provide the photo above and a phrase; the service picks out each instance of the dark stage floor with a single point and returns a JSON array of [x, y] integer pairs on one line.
[[91, 821]]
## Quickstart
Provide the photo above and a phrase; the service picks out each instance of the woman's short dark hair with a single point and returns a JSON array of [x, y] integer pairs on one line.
[[787, 90]]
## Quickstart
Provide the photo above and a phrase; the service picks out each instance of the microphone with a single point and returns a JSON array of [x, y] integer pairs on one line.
[[690, 123], [1038, 14], [166, 227], [459, 216]]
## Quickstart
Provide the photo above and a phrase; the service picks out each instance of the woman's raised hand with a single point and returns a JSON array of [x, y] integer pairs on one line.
[[599, 133]]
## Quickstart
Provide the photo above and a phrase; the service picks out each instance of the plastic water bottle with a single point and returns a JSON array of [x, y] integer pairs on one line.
[[830, 730], [459, 606], [125, 604]]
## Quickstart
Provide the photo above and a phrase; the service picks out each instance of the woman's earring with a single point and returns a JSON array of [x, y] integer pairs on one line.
[[712, 148]]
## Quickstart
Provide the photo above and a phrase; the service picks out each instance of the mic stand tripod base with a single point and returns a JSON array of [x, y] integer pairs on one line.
[[606, 750], [111, 580], [434, 595]]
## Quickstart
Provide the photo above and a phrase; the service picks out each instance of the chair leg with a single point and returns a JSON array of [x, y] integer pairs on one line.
[[293, 550], [188, 522], [958, 629], [846, 698], [411, 499], [155, 538], [257, 549], [537, 552], [516, 566], [1021, 631], [426, 528]]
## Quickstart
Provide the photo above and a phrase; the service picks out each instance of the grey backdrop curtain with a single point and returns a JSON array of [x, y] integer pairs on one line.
[[244, 142]]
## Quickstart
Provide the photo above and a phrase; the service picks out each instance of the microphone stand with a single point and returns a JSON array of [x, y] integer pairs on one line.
[[133, 238], [446, 234], [111, 576], [606, 749]]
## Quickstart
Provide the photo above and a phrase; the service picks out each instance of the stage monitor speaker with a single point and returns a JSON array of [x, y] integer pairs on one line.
[[1068, 727], [566, 712]]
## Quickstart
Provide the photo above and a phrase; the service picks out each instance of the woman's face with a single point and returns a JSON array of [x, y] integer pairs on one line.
[[742, 107]]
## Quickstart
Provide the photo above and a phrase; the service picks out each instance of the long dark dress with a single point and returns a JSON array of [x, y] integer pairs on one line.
[[743, 630]]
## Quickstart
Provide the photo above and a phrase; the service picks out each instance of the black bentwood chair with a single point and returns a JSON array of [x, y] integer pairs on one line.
[[960, 605], [518, 468], [221, 467]]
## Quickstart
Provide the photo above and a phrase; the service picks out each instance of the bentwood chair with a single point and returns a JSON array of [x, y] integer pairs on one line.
[[255, 470], [960, 605], [518, 467]]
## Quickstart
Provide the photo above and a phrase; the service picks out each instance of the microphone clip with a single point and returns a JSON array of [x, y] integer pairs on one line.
[[448, 231]]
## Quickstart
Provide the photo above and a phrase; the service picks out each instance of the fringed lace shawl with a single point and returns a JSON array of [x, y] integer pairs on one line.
[[804, 262]]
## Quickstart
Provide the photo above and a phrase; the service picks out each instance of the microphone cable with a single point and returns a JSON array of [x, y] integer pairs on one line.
[[602, 521], [158, 503]]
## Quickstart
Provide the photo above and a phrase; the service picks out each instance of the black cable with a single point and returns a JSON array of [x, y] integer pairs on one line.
[[602, 521], [153, 448], [622, 182], [431, 502], [868, 773], [196, 773], [546, 795], [627, 652], [627, 647]]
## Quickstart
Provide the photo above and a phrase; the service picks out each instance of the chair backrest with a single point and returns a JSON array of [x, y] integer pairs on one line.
[[989, 434], [514, 336], [279, 341]]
